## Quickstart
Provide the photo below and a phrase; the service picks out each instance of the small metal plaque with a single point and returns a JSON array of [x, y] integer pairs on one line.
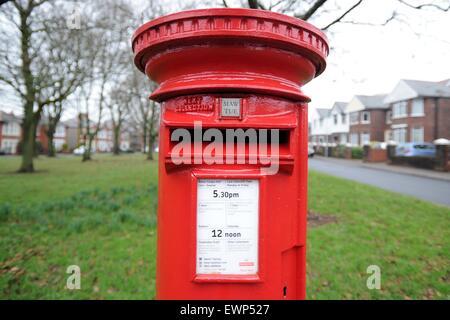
[[231, 108]]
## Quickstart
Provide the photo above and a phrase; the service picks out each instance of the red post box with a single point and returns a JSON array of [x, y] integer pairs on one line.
[[232, 198]]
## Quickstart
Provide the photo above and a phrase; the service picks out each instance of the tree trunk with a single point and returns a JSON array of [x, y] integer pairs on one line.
[[51, 147], [151, 136], [144, 140], [116, 146], [87, 150], [28, 145], [151, 141]]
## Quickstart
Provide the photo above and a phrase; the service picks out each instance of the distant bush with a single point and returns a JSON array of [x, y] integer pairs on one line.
[[357, 153]]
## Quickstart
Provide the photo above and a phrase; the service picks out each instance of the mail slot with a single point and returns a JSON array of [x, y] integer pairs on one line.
[[232, 197]]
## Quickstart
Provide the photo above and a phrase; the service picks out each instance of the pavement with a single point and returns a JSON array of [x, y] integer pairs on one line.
[[423, 184]]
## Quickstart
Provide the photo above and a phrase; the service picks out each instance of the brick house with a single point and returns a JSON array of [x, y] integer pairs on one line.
[[103, 142], [59, 138], [10, 132], [367, 119], [419, 111]]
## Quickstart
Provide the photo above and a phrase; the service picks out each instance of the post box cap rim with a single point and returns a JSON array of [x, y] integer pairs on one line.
[[216, 12], [143, 39]]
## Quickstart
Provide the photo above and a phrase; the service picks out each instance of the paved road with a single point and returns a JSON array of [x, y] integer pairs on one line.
[[437, 191]]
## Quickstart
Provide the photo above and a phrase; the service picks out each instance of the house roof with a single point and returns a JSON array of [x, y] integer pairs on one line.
[[323, 112], [410, 89], [430, 89], [373, 102], [9, 117], [339, 106]]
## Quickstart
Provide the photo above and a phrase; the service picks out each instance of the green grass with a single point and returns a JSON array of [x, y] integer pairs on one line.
[[101, 216]]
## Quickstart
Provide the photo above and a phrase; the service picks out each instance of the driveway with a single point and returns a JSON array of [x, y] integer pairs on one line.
[[429, 189]]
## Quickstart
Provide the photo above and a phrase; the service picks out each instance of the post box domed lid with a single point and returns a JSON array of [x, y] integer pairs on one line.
[[224, 34]]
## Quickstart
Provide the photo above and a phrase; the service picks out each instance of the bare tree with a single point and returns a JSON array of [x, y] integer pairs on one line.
[[142, 111], [110, 60], [38, 62], [118, 106]]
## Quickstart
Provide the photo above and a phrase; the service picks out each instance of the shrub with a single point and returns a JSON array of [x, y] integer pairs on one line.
[[5, 211], [357, 153]]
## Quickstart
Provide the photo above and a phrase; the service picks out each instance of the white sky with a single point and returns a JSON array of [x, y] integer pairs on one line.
[[371, 59]]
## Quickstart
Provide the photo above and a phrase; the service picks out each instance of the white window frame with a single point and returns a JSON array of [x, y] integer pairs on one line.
[[419, 102], [365, 138], [362, 117], [417, 131], [399, 134], [400, 110], [354, 139], [389, 117], [354, 117]]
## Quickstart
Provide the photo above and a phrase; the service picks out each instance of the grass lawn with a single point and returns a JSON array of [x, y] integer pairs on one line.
[[101, 216]]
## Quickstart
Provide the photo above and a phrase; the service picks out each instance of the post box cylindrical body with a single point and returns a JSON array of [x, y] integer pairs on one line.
[[232, 197]]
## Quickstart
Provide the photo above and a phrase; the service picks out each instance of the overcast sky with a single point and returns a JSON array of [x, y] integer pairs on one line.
[[371, 59], [367, 59]]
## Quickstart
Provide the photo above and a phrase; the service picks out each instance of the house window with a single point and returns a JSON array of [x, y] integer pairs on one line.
[[365, 117], [417, 108], [399, 135], [335, 119], [321, 122], [417, 134], [354, 139], [343, 138], [389, 116], [60, 131], [399, 110], [354, 118], [343, 118], [315, 124], [387, 135], [365, 138]]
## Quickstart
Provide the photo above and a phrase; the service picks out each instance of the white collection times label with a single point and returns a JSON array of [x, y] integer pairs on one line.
[[227, 226]]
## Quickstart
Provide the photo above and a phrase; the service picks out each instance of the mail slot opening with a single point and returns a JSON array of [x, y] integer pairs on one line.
[[214, 141]]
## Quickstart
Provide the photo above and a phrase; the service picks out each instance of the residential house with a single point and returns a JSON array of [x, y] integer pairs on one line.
[[72, 133], [104, 141], [419, 111], [367, 119], [320, 119], [59, 138], [10, 132], [338, 123], [329, 125]]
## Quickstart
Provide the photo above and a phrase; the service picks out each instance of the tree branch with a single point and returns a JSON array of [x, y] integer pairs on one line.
[[305, 16], [421, 6], [343, 15]]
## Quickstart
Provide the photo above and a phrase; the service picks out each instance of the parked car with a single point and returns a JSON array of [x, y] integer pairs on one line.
[[310, 152], [80, 151], [424, 149]]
